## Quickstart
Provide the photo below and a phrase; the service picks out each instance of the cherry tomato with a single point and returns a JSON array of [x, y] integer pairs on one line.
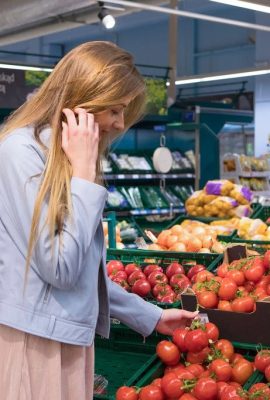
[[179, 338], [228, 289], [168, 352], [126, 393], [206, 389], [151, 392], [221, 369], [196, 340], [212, 331]]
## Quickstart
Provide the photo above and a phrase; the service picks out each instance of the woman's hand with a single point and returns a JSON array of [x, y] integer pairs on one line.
[[80, 143], [174, 318]]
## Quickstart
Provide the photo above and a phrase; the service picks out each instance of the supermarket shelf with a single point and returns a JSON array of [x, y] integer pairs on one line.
[[146, 211], [245, 174], [149, 176]]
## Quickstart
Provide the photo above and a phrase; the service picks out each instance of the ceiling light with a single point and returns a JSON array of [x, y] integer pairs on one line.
[[107, 19], [226, 75], [25, 67], [245, 4]]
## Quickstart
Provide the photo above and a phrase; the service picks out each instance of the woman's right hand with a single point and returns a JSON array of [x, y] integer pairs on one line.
[[80, 142]]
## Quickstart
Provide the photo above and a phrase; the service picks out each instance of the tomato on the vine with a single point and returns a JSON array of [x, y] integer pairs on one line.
[[262, 360], [241, 371], [207, 299], [196, 340], [151, 392], [171, 385], [228, 289], [243, 304], [168, 352], [262, 388], [206, 389], [226, 348], [199, 357], [178, 338], [212, 331], [221, 369]]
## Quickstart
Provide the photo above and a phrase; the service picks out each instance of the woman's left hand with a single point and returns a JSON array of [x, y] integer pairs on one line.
[[174, 318]]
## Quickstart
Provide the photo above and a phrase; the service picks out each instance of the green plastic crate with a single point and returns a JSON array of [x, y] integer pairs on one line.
[[121, 363], [262, 212]]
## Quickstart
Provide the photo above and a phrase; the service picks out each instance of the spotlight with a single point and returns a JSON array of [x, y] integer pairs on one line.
[[107, 19]]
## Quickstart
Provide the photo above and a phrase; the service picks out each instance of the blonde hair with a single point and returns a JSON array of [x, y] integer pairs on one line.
[[95, 76]]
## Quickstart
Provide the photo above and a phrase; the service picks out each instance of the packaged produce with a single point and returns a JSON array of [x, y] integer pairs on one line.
[[219, 187], [241, 193], [116, 199]]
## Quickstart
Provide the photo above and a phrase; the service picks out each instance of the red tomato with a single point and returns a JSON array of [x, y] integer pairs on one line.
[[224, 305], [198, 357], [174, 268], [118, 274], [231, 393], [168, 352], [179, 338], [249, 286], [141, 287], [227, 290], [185, 374], [222, 270], [241, 371], [226, 348], [261, 388], [129, 268], [254, 271], [267, 373], [151, 392], [206, 389], [157, 277], [114, 266], [204, 276], [179, 282], [156, 382], [221, 369], [243, 304], [260, 293], [126, 393], [122, 283], [187, 396], [236, 357], [196, 340], [194, 270], [262, 360], [207, 299], [237, 276], [221, 386], [161, 288], [268, 289], [212, 331], [171, 385], [135, 276], [168, 298], [174, 368], [151, 268]]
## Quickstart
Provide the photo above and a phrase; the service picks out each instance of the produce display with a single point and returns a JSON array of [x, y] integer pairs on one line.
[[220, 198], [236, 287], [190, 237], [198, 365], [253, 229], [154, 281]]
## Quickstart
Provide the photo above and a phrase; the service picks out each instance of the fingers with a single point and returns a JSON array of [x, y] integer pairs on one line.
[[71, 119], [189, 314], [64, 135], [82, 117]]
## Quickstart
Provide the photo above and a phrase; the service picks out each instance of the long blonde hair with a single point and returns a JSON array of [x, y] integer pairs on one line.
[[95, 76]]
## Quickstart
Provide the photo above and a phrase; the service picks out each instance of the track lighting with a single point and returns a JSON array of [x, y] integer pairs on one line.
[[106, 19]]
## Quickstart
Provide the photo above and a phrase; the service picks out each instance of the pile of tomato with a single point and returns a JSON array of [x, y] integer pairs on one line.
[[200, 366], [163, 283], [236, 286]]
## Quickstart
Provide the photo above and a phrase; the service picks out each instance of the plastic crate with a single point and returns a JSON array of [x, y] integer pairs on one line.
[[262, 212], [121, 363], [164, 258]]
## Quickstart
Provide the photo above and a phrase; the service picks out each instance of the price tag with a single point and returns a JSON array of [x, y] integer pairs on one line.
[[203, 317], [135, 176], [148, 176], [121, 176]]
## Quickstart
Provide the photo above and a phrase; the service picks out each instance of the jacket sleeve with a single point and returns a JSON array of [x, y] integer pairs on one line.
[[132, 310], [21, 164]]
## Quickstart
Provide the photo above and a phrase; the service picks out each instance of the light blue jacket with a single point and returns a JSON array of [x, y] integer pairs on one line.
[[68, 296]]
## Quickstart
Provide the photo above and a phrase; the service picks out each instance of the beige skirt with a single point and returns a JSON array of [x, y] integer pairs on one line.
[[33, 368]]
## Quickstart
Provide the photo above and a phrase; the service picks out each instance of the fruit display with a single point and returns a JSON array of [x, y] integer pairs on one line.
[[119, 243], [162, 283], [236, 286], [220, 198], [198, 365], [192, 237]]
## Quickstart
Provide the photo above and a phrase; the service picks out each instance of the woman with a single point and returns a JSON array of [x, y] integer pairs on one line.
[[54, 293]]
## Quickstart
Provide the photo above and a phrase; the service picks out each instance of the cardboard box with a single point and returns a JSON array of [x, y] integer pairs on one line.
[[252, 328]]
